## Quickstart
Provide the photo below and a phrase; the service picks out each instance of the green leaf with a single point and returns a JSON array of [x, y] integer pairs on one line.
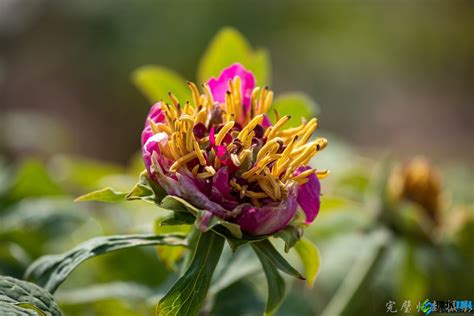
[[173, 223], [229, 47], [156, 82], [276, 284], [290, 235], [297, 105], [50, 271], [19, 297], [265, 248], [146, 190], [107, 195], [188, 293], [310, 258]]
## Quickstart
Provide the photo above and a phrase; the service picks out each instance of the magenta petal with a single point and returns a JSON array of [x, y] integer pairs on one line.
[[191, 193], [221, 180], [220, 149], [309, 195], [149, 141], [220, 85], [267, 219]]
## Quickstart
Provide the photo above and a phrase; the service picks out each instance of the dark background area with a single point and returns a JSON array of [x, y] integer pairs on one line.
[[393, 76]]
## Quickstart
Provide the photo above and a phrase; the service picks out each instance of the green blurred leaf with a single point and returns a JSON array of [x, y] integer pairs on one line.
[[188, 293], [276, 284], [19, 297], [32, 179], [84, 174], [128, 291], [51, 270], [107, 195], [265, 248], [309, 255], [156, 82], [297, 105], [229, 47]]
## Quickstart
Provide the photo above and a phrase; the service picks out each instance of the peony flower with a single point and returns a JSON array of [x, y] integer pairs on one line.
[[223, 155]]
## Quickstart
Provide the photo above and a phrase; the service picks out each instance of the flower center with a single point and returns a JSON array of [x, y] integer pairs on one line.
[[262, 159]]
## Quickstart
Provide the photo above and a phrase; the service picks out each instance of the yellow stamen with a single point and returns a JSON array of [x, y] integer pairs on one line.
[[227, 127], [195, 169], [210, 99], [303, 175], [253, 101], [182, 160], [173, 99], [195, 93], [256, 195], [250, 126], [321, 174], [268, 101], [200, 156], [261, 100], [235, 159], [272, 144], [278, 125]]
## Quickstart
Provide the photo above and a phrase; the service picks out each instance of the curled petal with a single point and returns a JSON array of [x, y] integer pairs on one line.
[[191, 193], [309, 195], [220, 85], [269, 218]]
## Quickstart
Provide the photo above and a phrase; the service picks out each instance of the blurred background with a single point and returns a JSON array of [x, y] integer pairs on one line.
[[391, 81], [392, 75]]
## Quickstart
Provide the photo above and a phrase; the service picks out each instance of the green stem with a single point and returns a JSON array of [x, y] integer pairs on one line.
[[358, 278]]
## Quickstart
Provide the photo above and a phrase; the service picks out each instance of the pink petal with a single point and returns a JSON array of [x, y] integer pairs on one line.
[[309, 195], [269, 218], [220, 85]]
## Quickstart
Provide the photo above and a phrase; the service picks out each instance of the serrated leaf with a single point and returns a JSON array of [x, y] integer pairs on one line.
[[107, 195], [50, 271], [19, 297], [188, 293], [298, 105], [265, 248], [276, 284], [156, 82], [227, 48], [310, 257]]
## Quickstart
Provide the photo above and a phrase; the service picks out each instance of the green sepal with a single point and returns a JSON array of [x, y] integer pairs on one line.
[[290, 235], [276, 284], [265, 248]]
